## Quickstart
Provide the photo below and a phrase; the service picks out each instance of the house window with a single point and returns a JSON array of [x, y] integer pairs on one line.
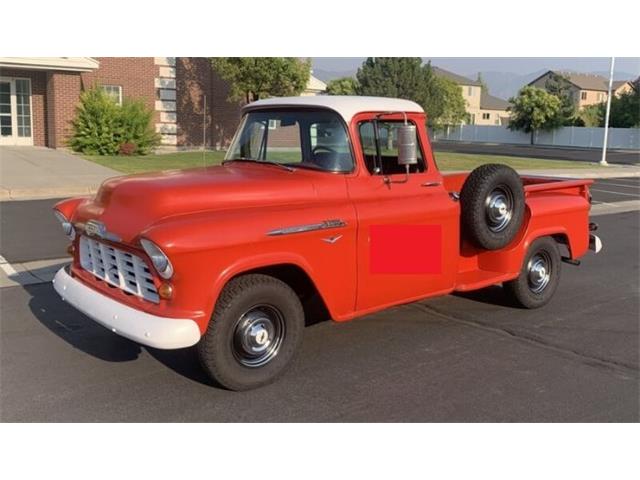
[[470, 91], [600, 97], [583, 95], [114, 91], [486, 116]]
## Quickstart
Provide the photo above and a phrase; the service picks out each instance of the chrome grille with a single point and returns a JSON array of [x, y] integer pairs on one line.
[[118, 267]]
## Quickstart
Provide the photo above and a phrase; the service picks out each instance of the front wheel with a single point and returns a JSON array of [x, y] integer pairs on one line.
[[539, 277], [253, 334]]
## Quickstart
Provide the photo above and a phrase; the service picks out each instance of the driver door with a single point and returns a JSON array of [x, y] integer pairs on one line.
[[408, 235]]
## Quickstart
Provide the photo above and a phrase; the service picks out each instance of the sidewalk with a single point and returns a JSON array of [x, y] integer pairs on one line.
[[617, 171], [38, 172]]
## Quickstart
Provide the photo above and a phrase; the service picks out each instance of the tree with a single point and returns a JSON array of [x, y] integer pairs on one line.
[[590, 116], [483, 84], [343, 86], [625, 110], [534, 109], [560, 86], [400, 77], [252, 78], [404, 77], [444, 103]]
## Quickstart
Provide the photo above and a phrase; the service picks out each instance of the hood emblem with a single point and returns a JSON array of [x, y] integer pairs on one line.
[[96, 228]]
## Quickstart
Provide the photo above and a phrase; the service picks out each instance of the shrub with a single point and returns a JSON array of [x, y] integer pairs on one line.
[[127, 149], [101, 127], [136, 127], [96, 124]]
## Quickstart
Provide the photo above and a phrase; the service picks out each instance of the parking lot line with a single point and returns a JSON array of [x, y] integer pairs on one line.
[[636, 186], [616, 193], [6, 267]]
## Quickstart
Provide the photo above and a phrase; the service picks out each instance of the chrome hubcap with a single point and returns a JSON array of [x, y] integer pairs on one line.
[[539, 272], [499, 208], [258, 336]]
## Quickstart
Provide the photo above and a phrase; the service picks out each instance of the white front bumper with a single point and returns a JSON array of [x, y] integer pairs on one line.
[[141, 327]]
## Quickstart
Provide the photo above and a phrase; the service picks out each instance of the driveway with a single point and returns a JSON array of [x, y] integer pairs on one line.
[[32, 172]]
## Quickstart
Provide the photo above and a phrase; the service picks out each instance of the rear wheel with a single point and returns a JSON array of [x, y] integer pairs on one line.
[[253, 334], [539, 277]]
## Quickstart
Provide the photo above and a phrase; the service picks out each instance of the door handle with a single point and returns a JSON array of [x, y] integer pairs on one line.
[[430, 184]]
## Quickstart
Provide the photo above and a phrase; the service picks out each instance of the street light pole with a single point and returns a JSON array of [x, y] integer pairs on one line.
[[606, 117]]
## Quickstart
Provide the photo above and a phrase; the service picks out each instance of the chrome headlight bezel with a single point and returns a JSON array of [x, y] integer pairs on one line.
[[67, 226], [159, 259]]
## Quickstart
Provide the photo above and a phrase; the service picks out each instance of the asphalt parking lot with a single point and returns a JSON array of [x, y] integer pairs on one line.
[[471, 357]]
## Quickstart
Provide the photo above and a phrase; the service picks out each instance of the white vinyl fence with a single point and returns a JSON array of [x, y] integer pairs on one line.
[[586, 137]]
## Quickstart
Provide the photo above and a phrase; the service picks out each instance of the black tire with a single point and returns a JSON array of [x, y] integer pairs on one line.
[[221, 350], [485, 227], [525, 291]]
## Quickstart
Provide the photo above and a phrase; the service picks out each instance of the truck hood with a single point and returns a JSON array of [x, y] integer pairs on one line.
[[128, 205]]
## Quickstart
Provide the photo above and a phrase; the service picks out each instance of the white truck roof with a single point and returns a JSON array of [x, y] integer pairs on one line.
[[346, 106]]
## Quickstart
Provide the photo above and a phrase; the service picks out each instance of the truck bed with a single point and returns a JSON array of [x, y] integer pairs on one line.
[[453, 183]]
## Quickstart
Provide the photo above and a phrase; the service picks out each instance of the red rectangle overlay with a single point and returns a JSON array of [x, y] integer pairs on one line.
[[405, 249]]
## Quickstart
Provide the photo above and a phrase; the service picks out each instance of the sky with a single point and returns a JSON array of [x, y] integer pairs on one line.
[[520, 65]]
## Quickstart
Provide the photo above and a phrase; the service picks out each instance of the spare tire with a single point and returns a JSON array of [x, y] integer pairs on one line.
[[492, 204]]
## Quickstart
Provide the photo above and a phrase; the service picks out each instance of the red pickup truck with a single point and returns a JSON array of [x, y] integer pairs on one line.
[[323, 204]]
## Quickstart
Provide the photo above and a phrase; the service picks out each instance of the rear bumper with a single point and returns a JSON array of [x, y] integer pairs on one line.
[[141, 327]]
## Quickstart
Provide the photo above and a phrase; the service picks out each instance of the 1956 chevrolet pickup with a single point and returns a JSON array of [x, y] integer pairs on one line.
[[323, 204]]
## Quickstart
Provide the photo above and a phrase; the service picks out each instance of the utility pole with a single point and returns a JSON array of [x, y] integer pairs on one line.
[[606, 117]]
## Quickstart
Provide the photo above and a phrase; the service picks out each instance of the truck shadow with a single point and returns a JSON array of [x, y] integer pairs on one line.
[[493, 295], [84, 334]]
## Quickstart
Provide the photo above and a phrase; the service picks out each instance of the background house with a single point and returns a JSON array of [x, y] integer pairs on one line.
[[38, 97], [482, 108], [586, 89]]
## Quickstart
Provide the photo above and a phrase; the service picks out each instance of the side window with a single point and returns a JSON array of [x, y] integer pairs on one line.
[[388, 144]]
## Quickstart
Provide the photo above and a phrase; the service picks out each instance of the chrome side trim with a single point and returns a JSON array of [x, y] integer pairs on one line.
[[327, 224]]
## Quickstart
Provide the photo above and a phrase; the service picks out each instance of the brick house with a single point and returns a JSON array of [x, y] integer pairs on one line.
[[586, 89], [38, 97]]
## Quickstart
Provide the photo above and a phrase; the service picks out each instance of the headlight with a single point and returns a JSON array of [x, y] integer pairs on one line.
[[67, 227], [160, 261]]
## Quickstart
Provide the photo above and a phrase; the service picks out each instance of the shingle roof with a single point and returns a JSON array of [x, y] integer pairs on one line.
[[489, 102], [586, 81], [617, 84], [459, 79]]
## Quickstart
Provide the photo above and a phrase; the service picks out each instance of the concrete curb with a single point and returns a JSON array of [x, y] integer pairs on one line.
[[29, 273], [43, 193]]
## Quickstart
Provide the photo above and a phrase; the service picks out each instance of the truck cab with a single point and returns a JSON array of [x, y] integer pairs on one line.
[[329, 201]]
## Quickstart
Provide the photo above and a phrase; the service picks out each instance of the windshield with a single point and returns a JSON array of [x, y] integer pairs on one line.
[[314, 139]]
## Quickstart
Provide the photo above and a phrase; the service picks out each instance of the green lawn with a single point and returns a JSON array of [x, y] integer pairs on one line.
[[445, 160], [469, 161], [163, 161]]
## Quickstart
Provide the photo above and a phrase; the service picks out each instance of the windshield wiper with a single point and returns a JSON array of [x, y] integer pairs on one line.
[[267, 162]]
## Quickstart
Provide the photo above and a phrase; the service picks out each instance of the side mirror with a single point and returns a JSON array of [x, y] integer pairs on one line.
[[407, 145]]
